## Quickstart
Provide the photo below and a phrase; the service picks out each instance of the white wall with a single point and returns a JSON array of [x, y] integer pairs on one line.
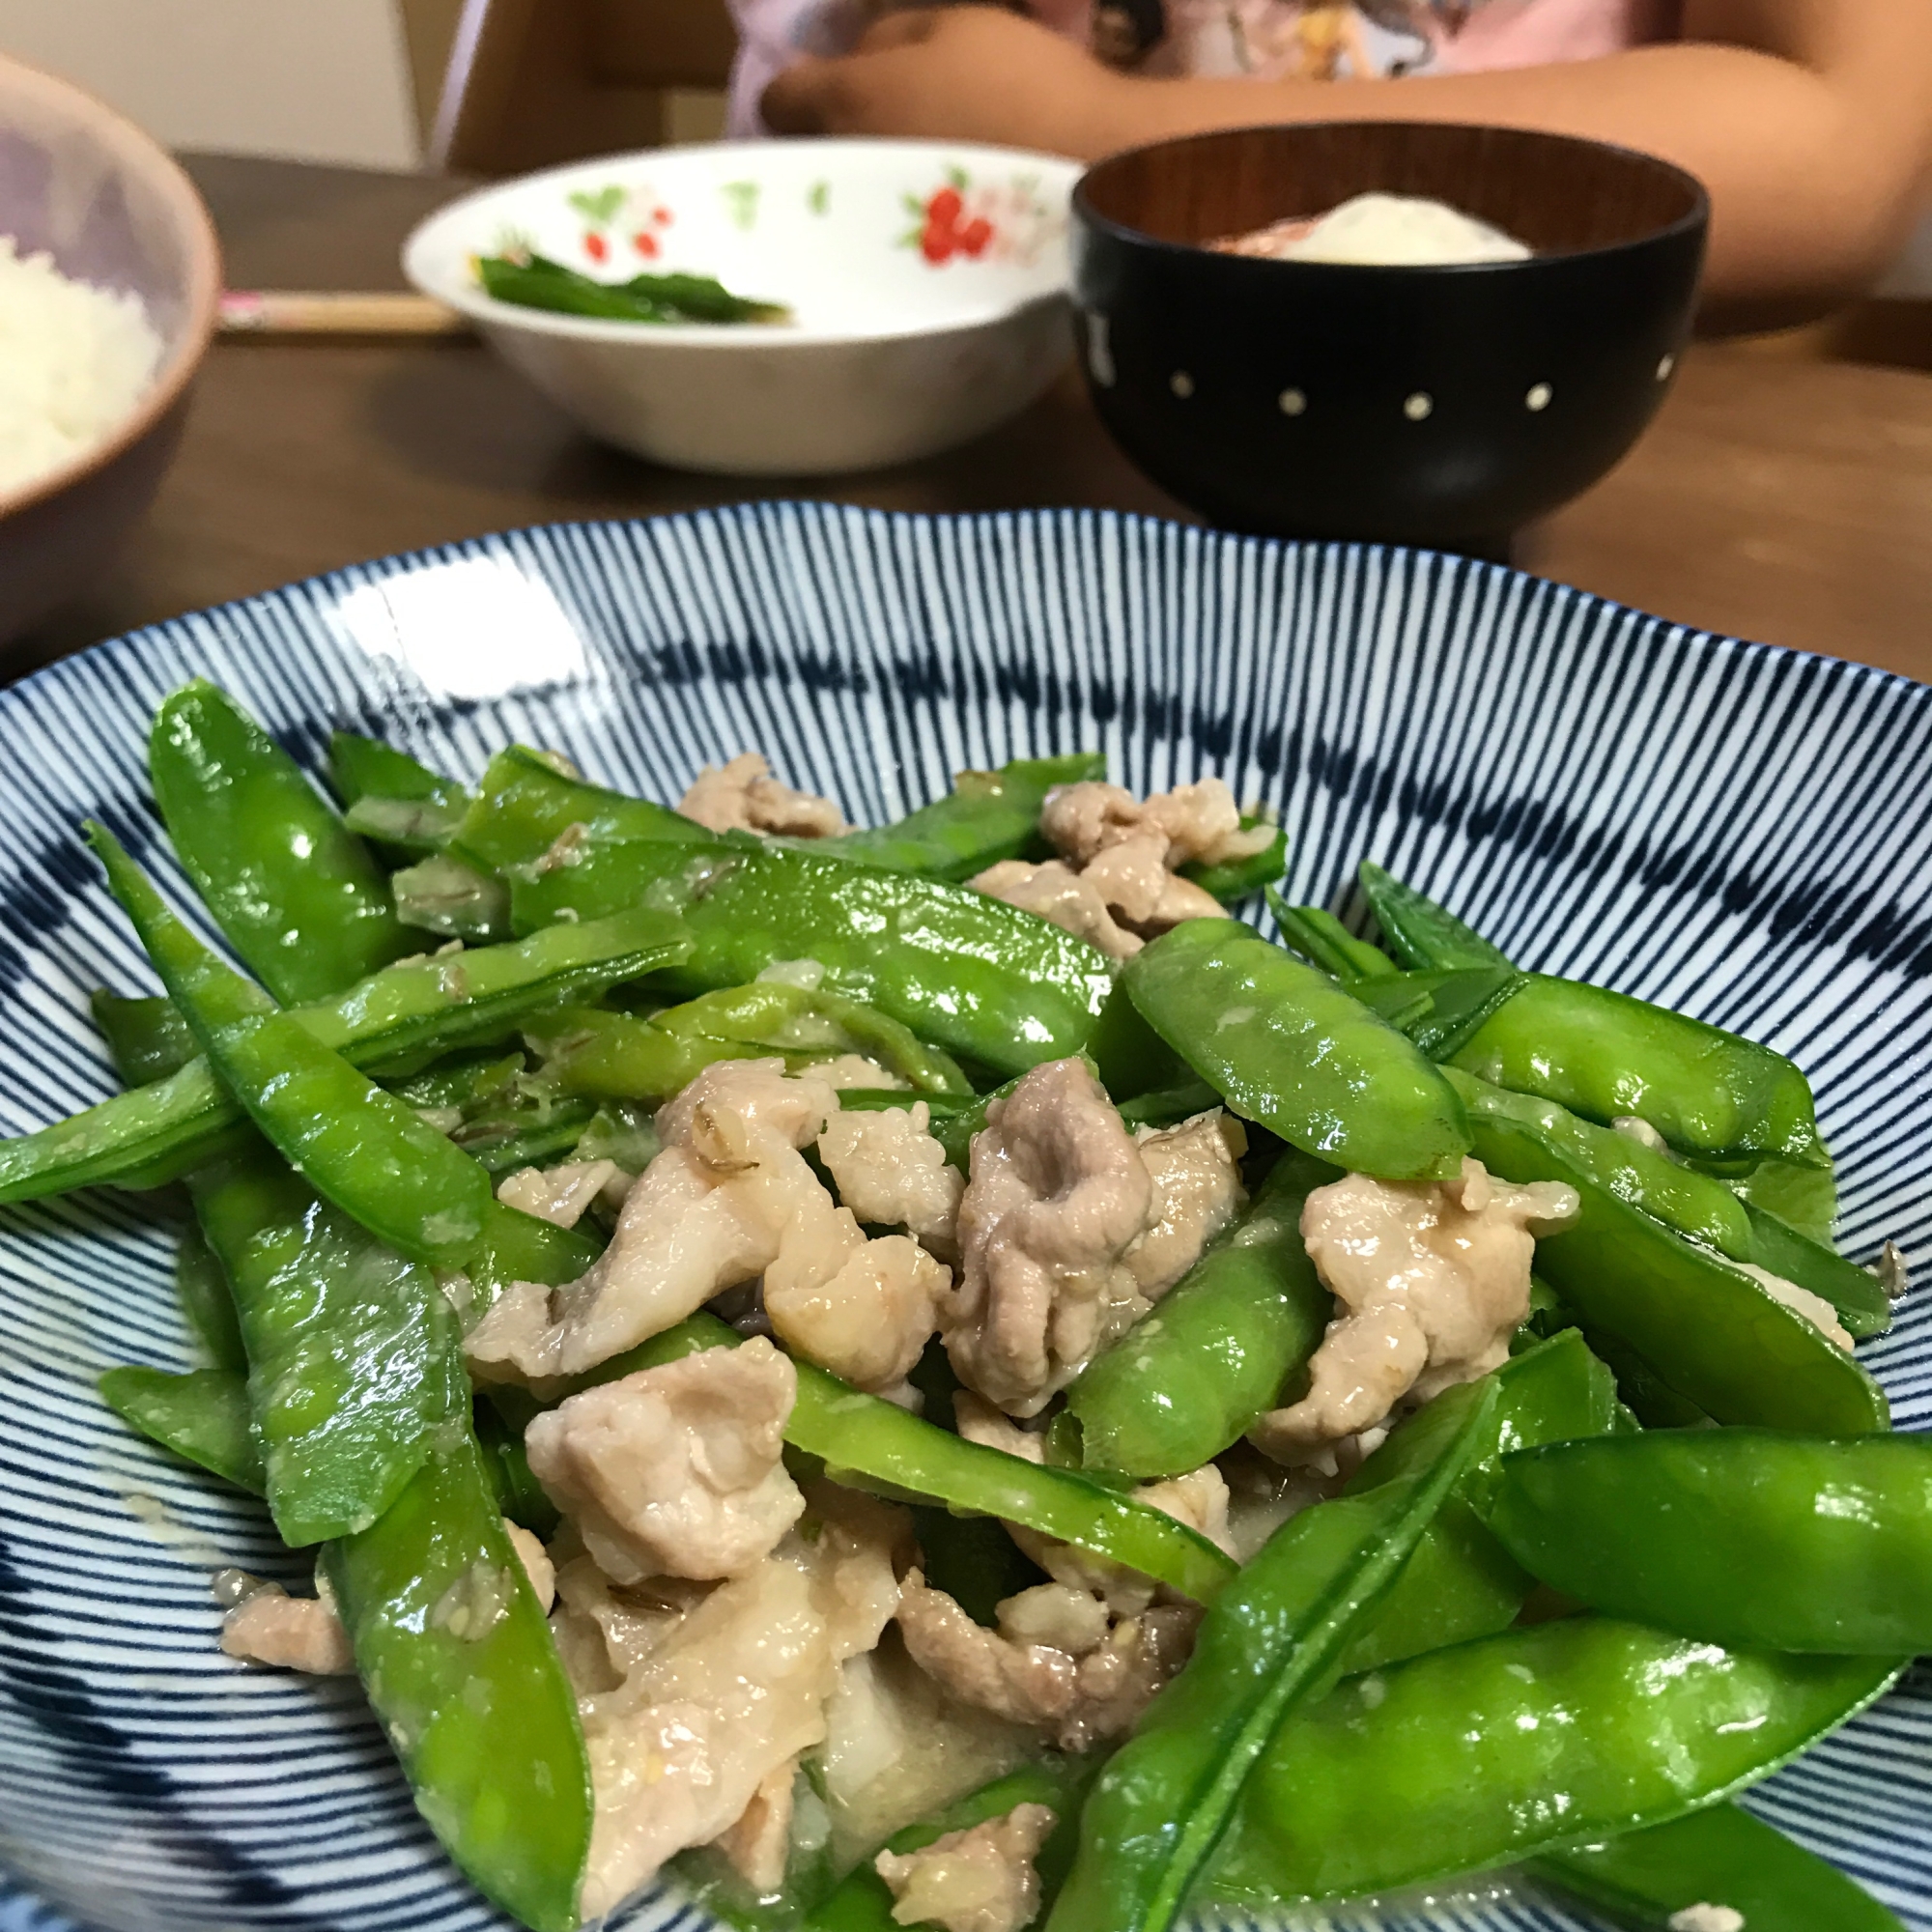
[[321, 81]]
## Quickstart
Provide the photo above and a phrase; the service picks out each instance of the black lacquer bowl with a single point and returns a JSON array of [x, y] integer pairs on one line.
[[1435, 406]]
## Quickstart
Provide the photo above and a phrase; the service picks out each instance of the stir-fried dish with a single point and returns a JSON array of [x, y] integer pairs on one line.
[[933, 1376]]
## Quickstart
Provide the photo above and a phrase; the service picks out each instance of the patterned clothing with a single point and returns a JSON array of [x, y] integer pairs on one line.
[[1266, 40]]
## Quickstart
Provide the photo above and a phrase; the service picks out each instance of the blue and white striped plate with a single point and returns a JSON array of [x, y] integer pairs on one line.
[[1736, 831]]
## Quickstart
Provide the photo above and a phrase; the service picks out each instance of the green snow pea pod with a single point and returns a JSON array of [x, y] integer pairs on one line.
[[147, 1038], [354, 1353], [1801, 1194], [1192, 1378], [1710, 1094], [863, 1441], [1440, 1007], [202, 1415], [454, 898], [987, 817], [397, 1018], [1421, 933], [1540, 1738], [1323, 941], [1780, 1249], [967, 972], [391, 798], [863, 1903], [1236, 879], [525, 805], [1702, 1210], [1462, 1584], [617, 1056], [206, 1303], [1286, 1046], [964, 971], [362, 1149], [299, 896], [856, 1434], [1650, 1881], [812, 1020], [520, 1496], [458, 1659], [1706, 1329], [610, 1056], [526, 1135], [1601, 1053], [1271, 1639], [1747, 1536]]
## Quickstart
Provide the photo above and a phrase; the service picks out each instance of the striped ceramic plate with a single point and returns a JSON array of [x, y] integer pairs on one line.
[[1723, 827]]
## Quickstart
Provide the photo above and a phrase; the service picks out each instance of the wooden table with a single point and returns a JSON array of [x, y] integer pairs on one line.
[[1778, 500]]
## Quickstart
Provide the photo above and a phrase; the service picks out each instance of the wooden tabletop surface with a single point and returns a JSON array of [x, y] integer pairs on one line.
[[1780, 499]]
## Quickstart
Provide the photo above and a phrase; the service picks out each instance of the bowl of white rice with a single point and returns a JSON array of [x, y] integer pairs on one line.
[[109, 278], [1410, 332]]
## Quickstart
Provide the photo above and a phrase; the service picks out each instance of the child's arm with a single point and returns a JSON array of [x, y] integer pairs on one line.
[[1809, 121]]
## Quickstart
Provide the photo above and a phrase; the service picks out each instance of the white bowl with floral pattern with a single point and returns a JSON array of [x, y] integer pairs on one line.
[[926, 281]]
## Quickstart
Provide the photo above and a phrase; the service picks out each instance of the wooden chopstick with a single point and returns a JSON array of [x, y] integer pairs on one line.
[[304, 312]]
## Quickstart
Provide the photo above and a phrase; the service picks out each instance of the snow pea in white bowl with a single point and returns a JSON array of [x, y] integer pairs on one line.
[[926, 283], [1703, 822]]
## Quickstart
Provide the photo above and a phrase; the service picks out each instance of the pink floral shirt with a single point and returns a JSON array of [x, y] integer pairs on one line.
[[1269, 40]]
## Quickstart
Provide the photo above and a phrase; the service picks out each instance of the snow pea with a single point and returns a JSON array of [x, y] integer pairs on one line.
[[531, 1134], [389, 797], [1323, 941], [393, 1020], [1707, 1329], [1709, 1093], [458, 1661], [1440, 1007], [618, 1056], [1286, 1046], [1271, 1639], [147, 1038], [867, 1443], [353, 1352], [525, 804], [1747, 1536], [979, 978], [863, 1903], [362, 1149], [1801, 1194], [520, 1496], [1462, 1584], [1856, 1293], [206, 1303], [1192, 1378], [987, 817], [453, 898], [299, 895], [1236, 879], [1542, 1737], [1645, 1880], [202, 1415], [1419, 932]]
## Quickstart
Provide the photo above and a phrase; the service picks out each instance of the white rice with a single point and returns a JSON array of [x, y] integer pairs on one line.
[[1382, 231], [75, 360]]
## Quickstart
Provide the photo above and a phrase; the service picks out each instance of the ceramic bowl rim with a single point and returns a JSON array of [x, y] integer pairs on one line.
[[486, 312], [120, 135], [1391, 274]]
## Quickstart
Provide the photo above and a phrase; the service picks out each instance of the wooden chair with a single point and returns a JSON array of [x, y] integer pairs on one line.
[[508, 85]]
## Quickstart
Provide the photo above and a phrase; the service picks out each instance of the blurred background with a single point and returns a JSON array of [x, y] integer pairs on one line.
[[484, 86], [490, 87]]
